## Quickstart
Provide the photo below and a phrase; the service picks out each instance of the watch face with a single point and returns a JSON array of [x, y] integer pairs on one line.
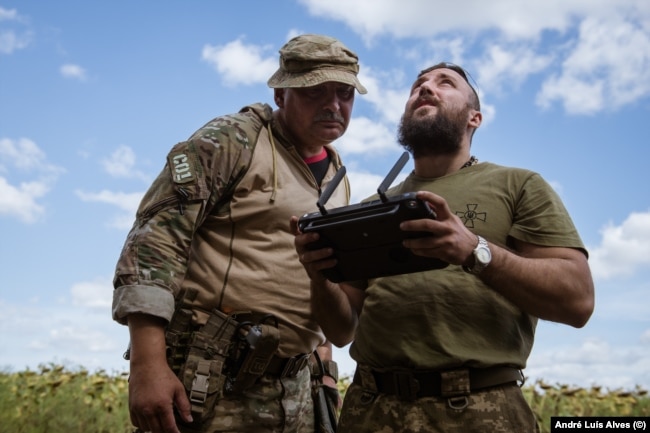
[[483, 255]]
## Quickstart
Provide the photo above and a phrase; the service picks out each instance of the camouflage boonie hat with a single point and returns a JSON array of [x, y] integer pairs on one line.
[[309, 60]]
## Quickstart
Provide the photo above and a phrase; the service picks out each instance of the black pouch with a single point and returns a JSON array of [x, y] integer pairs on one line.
[[325, 402], [256, 346]]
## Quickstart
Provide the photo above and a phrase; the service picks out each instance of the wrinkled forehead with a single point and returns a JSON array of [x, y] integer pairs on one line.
[[446, 67], [449, 69]]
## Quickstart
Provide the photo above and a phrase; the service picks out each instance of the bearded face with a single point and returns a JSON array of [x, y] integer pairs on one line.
[[438, 134]]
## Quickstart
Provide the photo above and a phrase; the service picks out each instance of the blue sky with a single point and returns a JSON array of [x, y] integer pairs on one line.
[[94, 94]]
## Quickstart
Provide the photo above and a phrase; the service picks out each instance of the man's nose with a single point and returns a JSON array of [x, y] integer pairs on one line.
[[332, 102], [426, 89]]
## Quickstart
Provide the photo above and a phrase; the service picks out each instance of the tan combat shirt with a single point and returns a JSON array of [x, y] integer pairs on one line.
[[239, 254]]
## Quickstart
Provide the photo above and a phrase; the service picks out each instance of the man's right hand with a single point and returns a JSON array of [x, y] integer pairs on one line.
[[154, 389], [153, 394]]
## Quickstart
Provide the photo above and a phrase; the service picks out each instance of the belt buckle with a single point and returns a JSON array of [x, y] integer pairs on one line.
[[200, 383], [406, 386], [294, 365]]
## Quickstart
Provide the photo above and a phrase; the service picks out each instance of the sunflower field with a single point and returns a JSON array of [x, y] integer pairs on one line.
[[59, 399]]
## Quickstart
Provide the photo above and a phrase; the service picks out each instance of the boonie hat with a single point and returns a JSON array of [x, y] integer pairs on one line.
[[309, 60]]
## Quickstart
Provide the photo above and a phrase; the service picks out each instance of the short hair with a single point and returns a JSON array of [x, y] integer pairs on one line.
[[475, 103]]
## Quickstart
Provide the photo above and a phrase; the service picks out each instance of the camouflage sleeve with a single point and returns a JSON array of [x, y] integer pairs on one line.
[[198, 174]]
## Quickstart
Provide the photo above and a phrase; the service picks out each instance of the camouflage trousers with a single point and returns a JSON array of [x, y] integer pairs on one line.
[[272, 405], [501, 409]]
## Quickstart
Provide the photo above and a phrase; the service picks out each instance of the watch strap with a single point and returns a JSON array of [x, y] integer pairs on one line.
[[478, 266]]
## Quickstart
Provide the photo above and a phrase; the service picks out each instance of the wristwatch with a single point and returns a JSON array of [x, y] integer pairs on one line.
[[482, 257]]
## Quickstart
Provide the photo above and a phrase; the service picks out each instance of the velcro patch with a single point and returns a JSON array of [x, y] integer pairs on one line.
[[181, 167]]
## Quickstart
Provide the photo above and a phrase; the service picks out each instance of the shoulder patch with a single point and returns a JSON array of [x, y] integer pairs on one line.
[[181, 167]]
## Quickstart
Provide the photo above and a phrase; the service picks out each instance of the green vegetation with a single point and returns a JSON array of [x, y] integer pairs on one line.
[[57, 399], [563, 400]]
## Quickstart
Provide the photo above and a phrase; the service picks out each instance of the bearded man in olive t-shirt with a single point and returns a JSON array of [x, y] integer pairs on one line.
[[444, 350]]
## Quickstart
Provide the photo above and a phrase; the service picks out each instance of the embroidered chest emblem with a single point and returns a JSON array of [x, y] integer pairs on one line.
[[470, 215]]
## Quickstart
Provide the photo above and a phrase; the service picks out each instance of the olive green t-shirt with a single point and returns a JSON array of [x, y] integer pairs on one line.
[[447, 318]]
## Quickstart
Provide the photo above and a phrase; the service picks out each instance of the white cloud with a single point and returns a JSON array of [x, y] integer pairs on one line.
[[293, 33], [577, 96], [645, 338], [363, 184], [623, 249], [367, 137], [619, 298], [387, 92], [440, 48], [10, 39], [71, 337], [19, 199], [418, 18], [121, 164], [508, 67], [61, 333], [127, 202], [239, 63], [592, 362], [93, 294], [22, 153], [73, 71], [8, 14], [489, 113], [609, 67]]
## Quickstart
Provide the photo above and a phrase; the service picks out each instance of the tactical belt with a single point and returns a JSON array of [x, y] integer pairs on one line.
[[413, 384], [287, 367]]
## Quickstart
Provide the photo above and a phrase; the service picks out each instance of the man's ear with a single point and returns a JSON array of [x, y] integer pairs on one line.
[[475, 119], [278, 97]]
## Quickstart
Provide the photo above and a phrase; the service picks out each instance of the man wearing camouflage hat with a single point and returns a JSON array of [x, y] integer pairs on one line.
[[208, 282]]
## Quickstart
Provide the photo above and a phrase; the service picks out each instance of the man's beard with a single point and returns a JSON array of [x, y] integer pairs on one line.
[[442, 135]]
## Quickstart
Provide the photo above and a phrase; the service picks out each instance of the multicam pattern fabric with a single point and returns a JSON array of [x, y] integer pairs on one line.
[[500, 409], [193, 182], [271, 406], [216, 221]]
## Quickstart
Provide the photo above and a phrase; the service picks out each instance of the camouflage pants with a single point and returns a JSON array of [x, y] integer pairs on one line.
[[271, 406], [501, 409]]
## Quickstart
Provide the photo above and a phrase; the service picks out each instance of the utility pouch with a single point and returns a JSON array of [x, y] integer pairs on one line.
[[203, 373], [178, 336], [255, 347], [203, 380]]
